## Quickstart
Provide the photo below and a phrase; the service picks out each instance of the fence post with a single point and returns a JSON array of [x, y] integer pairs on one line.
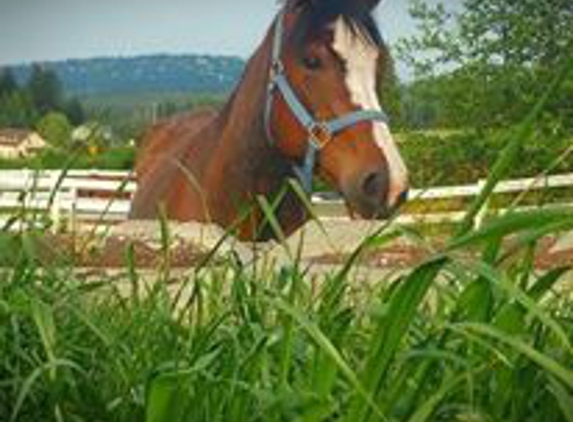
[[56, 205], [74, 210], [483, 212]]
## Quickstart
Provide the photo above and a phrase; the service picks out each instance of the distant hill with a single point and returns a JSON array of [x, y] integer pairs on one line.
[[154, 73]]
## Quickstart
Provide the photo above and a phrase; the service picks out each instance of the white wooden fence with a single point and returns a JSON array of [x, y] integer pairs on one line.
[[95, 195], [85, 196]]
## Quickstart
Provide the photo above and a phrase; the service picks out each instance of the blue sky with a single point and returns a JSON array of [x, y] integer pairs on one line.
[[38, 30]]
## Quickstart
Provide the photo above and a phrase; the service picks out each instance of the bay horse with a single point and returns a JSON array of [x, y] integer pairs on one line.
[[306, 105]]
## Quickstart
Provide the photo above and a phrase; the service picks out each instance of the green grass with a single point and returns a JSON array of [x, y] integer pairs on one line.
[[457, 338]]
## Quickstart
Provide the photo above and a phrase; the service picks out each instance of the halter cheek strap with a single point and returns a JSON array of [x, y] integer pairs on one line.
[[319, 133]]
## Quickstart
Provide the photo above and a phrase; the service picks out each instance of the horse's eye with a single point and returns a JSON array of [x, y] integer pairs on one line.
[[312, 62]]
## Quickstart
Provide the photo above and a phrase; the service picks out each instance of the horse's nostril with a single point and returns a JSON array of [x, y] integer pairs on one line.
[[372, 185]]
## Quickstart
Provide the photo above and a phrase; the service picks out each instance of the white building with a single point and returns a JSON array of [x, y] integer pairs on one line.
[[20, 143]]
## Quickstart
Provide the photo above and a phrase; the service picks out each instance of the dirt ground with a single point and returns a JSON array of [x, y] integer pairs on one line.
[[145, 251], [404, 256]]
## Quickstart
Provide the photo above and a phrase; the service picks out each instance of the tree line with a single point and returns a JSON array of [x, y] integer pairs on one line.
[[23, 105]]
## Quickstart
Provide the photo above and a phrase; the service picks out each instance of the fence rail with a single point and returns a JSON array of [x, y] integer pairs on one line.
[[335, 208], [76, 195], [89, 195]]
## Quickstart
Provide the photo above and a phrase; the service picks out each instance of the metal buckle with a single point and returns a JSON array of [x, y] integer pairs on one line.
[[277, 68], [319, 134]]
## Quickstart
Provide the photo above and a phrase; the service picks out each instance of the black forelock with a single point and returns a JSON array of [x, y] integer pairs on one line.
[[316, 15]]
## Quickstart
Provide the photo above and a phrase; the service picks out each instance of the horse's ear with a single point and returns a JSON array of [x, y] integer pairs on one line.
[[298, 3], [369, 5], [372, 4]]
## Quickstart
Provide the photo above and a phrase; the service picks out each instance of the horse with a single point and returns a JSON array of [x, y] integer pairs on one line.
[[306, 106]]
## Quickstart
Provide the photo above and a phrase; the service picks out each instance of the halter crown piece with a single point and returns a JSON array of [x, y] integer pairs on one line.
[[320, 133]]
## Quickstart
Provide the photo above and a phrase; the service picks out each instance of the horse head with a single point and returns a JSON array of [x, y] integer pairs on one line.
[[323, 110]]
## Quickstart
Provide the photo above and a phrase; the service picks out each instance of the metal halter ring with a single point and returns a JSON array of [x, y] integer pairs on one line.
[[319, 133]]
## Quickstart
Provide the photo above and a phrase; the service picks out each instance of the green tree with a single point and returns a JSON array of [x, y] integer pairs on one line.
[[55, 128], [498, 55], [8, 84], [390, 93], [75, 112], [45, 89], [496, 32], [17, 110]]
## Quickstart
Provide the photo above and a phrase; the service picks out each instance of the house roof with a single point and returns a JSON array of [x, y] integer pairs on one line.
[[14, 137]]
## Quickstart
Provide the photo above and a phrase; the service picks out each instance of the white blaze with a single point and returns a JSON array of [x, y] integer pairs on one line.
[[361, 59]]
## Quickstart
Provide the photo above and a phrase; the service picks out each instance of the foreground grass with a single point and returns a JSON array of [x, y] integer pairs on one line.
[[456, 339]]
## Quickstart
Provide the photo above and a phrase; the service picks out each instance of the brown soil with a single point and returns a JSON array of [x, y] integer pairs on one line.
[[115, 252], [404, 256]]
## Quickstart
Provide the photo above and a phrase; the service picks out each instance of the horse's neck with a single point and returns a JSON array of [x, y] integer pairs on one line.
[[244, 164], [246, 158]]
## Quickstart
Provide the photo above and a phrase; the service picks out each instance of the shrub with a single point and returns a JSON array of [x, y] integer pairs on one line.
[[117, 158], [463, 157], [55, 128]]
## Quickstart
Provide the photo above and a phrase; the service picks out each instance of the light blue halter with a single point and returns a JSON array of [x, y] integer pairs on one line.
[[319, 132]]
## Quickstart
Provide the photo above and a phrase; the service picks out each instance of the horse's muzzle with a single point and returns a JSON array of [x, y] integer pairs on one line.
[[369, 195]]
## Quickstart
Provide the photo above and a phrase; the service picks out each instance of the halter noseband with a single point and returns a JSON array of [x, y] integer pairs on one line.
[[320, 133]]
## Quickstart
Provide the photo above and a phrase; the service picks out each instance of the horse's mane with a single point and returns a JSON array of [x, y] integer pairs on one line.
[[318, 14]]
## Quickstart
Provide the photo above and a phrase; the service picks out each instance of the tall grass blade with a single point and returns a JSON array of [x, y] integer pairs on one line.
[[392, 329], [314, 332], [166, 391], [510, 224], [425, 410], [166, 398], [514, 292], [545, 283], [34, 377], [550, 365], [563, 397], [271, 218], [511, 316], [309, 208]]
